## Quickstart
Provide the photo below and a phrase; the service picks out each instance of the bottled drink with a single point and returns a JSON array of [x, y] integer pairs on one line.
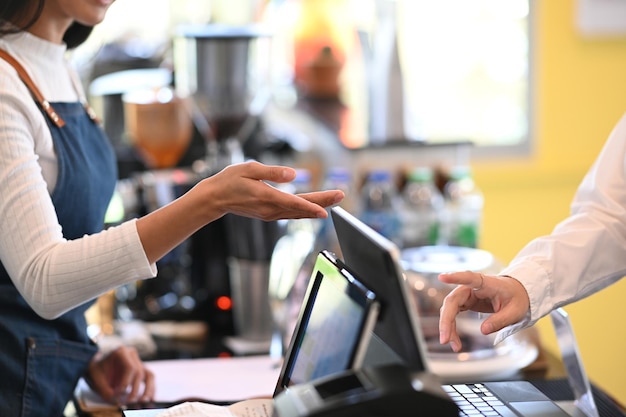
[[422, 203], [340, 178], [464, 205], [337, 178], [379, 201]]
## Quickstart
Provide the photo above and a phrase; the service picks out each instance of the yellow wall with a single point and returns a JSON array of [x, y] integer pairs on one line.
[[579, 94]]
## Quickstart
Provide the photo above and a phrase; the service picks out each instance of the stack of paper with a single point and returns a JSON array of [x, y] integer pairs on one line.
[[213, 380]]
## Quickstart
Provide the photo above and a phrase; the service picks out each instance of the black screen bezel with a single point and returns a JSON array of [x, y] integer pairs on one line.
[[376, 261], [357, 292]]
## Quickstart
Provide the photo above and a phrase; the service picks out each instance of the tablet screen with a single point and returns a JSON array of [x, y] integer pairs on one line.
[[335, 320]]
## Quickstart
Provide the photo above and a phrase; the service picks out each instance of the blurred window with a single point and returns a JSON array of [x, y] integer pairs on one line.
[[466, 71]]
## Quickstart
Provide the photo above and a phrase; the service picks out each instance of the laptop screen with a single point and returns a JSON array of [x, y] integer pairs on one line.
[[376, 261], [333, 327]]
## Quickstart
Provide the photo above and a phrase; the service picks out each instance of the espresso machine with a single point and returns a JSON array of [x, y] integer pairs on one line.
[[220, 274]]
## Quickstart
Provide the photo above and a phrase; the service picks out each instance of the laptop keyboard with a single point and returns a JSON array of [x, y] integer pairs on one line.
[[476, 400]]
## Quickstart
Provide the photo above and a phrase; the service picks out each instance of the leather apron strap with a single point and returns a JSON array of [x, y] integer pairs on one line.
[[45, 105]]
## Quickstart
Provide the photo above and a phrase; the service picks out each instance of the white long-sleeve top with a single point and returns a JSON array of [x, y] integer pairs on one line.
[[53, 274], [585, 252]]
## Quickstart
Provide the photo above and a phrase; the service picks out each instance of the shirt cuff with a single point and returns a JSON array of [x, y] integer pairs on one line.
[[512, 329]]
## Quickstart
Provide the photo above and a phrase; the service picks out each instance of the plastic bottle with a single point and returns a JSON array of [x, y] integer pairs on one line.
[[464, 206], [337, 178], [379, 200], [422, 203], [340, 178]]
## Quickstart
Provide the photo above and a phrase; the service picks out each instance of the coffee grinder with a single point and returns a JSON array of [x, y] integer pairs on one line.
[[215, 67]]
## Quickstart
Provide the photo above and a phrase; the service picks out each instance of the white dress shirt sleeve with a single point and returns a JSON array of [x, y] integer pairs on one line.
[[585, 252]]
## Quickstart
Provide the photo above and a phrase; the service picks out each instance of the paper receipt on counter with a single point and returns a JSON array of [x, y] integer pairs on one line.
[[248, 408]]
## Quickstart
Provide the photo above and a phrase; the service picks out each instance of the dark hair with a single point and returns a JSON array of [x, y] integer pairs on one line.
[[27, 12], [76, 34]]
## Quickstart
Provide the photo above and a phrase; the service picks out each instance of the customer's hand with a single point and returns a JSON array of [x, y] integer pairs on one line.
[[503, 296], [121, 377], [244, 189]]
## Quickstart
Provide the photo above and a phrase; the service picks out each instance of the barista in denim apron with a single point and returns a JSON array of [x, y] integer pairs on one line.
[[42, 360]]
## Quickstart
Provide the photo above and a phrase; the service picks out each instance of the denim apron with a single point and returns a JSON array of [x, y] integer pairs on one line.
[[42, 360]]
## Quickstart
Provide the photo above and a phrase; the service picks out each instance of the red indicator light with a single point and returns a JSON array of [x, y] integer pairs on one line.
[[224, 303]]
